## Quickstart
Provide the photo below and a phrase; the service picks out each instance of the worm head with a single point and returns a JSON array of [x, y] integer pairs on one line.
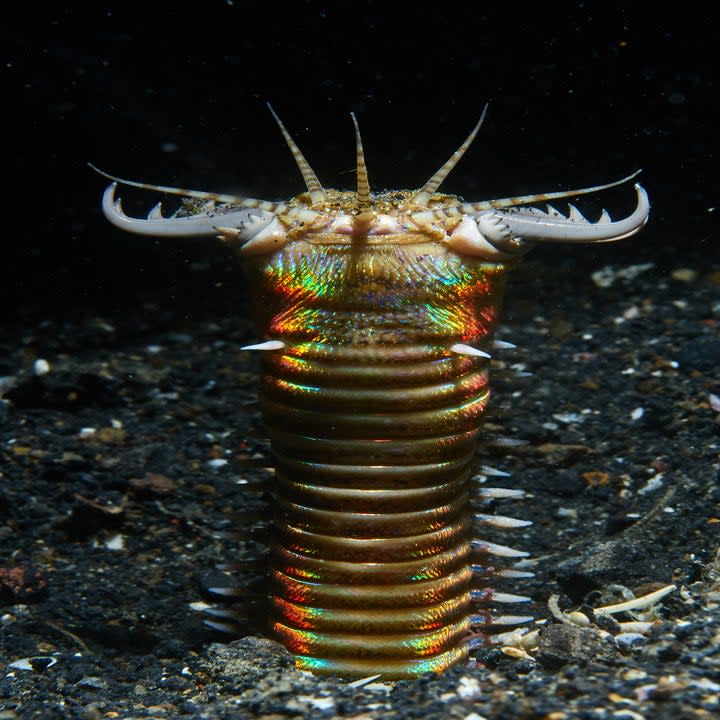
[[490, 230]]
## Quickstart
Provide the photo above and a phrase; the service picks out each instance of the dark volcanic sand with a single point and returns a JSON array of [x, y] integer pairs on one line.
[[124, 469]]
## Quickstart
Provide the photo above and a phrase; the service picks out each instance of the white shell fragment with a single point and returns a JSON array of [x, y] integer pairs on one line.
[[41, 367], [639, 603], [31, 663]]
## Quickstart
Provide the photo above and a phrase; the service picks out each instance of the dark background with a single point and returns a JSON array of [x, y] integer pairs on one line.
[[581, 93]]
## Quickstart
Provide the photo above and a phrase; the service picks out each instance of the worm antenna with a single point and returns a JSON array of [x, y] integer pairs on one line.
[[499, 203], [423, 194], [238, 200], [317, 193], [364, 202]]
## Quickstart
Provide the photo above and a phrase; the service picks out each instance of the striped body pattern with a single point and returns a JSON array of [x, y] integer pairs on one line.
[[373, 424], [376, 315]]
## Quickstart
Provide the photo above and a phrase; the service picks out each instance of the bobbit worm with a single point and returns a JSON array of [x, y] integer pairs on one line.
[[376, 315]]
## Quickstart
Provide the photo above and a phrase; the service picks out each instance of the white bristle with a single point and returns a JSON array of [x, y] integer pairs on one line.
[[499, 550]]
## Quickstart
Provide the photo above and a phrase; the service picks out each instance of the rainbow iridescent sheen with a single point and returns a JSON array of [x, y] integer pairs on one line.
[[373, 422]]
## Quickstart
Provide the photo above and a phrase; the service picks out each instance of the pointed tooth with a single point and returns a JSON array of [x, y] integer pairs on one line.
[[501, 620], [575, 214], [538, 212], [156, 213], [501, 521], [553, 212], [503, 345], [490, 548], [227, 234], [604, 217], [462, 349]]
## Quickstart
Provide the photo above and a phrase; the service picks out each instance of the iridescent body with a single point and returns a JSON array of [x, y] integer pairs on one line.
[[377, 315], [373, 423]]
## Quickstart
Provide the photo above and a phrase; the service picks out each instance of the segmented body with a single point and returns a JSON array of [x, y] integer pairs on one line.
[[377, 315], [373, 424]]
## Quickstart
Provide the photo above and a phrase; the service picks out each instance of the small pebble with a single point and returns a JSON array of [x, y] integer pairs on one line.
[[684, 275], [41, 367]]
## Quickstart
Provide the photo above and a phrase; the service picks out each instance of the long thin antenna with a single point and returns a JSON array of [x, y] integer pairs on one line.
[[317, 193], [237, 200], [364, 201], [499, 203], [423, 194]]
